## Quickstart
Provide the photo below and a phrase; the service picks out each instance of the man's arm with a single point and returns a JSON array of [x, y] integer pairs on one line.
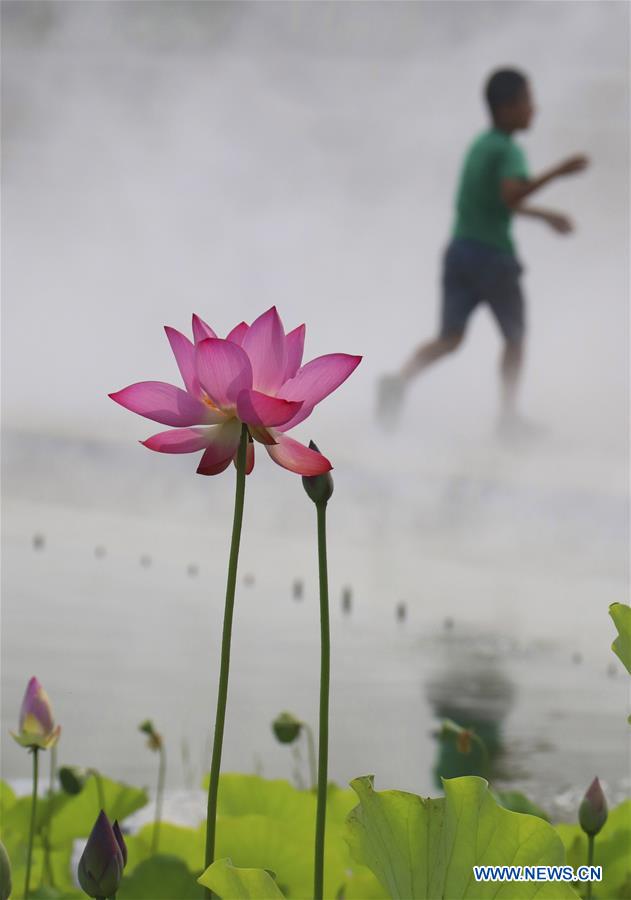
[[556, 220], [514, 190]]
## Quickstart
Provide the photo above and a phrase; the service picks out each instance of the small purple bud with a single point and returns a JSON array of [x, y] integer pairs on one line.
[[319, 488], [102, 862], [118, 834], [592, 813]]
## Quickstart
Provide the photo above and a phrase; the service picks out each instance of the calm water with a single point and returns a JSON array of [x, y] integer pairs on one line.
[[506, 623]]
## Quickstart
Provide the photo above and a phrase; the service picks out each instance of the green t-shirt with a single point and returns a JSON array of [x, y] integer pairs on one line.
[[481, 213]]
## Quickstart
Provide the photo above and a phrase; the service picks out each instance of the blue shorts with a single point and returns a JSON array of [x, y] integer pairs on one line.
[[475, 273]]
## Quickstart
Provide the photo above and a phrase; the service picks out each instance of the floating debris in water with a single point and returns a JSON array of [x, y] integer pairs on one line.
[[248, 579], [448, 624], [402, 612], [145, 560], [192, 570], [99, 552], [38, 542], [612, 670], [297, 589], [577, 658], [347, 599]]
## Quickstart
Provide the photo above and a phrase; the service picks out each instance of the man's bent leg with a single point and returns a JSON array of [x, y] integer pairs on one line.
[[430, 353]]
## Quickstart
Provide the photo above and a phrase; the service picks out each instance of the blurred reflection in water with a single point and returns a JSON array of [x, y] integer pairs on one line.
[[471, 696]]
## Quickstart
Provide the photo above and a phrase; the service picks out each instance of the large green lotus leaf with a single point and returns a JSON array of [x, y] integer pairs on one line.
[[187, 844], [621, 615], [7, 798], [60, 861], [16, 821], [244, 795], [259, 842], [44, 892], [160, 878], [361, 884], [66, 817], [425, 849], [338, 804], [77, 816], [255, 798], [612, 851], [228, 881]]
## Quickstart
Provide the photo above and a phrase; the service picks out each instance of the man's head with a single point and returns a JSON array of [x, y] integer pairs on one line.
[[508, 96]]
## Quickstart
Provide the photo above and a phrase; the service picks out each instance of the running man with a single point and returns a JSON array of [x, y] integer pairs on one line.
[[480, 265]]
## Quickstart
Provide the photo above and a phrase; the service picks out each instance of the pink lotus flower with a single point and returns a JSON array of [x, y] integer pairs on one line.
[[37, 727], [253, 376]]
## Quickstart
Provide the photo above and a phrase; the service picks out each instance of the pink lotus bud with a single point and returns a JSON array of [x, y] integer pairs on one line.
[[103, 859], [592, 813], [37, 727]]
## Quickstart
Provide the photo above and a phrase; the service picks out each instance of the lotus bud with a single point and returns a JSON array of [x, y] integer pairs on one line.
[[318, 487], [72, 779], [592, 813], [103, 860], [37, 727], [118, 834], [286, 728], [154, 739], [5, 873]]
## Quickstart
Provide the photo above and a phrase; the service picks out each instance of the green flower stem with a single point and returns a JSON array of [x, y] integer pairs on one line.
[[53, 768], [590, 862], [99, 788], [29, 854], [46, 839], [222, 693], [312, 755], [323, 737], [159, 797]]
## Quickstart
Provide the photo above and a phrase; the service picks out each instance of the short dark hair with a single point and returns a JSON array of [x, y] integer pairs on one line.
[[504, 86]]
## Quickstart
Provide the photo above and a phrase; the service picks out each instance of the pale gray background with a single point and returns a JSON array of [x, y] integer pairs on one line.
[[165, 158]]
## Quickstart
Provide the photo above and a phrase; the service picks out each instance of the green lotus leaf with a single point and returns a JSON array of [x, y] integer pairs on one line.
[[44, 892], [244, 795], [518, 802], [16, 818], [286, 848], [58, 869], [68, 817], [621, 615], [160, 878], [361, 884], [271, 825], [612, 851], [77, 815], [7, 798], [230, 881], [422, 849], [186, 844]]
